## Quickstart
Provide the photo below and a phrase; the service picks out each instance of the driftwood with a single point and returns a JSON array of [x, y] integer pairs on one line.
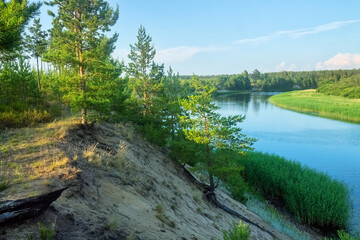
[[21, 209], [211, 197]]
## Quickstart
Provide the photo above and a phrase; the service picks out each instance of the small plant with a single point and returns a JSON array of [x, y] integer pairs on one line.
[[131, 235], [238, 232], [197, 198], [4, 149], [46, 233], [162, 217], [30, 237], [112, 224], [91, 155]]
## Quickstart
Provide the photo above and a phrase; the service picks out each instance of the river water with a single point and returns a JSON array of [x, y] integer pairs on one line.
[[327, 145]]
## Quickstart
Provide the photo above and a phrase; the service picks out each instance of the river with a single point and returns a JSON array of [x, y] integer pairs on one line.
[[324, 144]]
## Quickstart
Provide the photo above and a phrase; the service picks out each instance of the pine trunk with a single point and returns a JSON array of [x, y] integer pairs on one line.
[[145, 100], [82, 89], [38, 73], [79, 54]]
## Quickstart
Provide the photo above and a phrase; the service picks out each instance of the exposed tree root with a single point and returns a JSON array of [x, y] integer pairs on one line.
[[211, 197]]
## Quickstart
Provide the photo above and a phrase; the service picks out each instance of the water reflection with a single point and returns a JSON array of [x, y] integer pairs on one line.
[[324, 144]]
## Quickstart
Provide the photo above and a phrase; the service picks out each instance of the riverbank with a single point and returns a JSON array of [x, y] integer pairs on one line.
[[119, 187], [309, 101]]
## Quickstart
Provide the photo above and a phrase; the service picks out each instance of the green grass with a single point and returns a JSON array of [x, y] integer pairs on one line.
[[311, 196], [342, 235], [335, 107], [237, 232], [3, 183], [272, 216]]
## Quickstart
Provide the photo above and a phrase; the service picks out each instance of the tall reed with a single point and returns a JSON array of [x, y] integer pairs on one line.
[[312, 196]]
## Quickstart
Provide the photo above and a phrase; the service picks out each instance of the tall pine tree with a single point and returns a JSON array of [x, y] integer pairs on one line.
[[36, 44], [204, 126], [144, 73], [80, 40]]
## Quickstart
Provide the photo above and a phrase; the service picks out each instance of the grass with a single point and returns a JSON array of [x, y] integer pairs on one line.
[[237, 232], [29, 156], [312, 197], [112, 224], [4, 183], [342, 235], [46, 233], [334, 107], [160, 214], [271, 215]]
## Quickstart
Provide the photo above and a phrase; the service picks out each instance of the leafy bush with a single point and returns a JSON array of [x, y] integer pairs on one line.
[[238, 232], [154, 134], [313, 197]]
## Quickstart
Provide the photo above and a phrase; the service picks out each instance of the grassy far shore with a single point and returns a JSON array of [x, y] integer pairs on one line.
[[309, 101]]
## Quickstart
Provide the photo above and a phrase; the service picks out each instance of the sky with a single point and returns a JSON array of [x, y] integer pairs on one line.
[[207, 37]]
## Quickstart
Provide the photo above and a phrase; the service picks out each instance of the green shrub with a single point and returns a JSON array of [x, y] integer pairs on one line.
[[238, 232], [46, 233], [313, 197], [112, 224], [154, 134]]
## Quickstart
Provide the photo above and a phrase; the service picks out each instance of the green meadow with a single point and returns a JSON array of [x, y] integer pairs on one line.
[[310, 101]]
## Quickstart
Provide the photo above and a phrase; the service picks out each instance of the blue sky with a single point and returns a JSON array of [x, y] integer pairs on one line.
[[230, 36]]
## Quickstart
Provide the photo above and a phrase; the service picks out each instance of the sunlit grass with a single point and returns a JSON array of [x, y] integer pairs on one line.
[[32, 156], [310, 101]]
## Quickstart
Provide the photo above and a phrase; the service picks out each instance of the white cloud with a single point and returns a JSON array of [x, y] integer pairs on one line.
[[340, 61], [181, 53], [284, 67], [255, 40], [298, 32]]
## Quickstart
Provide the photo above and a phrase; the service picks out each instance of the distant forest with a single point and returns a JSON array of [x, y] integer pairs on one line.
[[344, 83]]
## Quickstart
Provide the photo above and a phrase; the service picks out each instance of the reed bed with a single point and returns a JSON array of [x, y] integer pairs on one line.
[[312, 196]]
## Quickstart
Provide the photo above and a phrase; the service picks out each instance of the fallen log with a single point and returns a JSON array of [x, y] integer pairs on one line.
[[21, 209]]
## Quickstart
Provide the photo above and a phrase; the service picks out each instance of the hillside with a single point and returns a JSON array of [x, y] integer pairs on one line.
[[119, 187]]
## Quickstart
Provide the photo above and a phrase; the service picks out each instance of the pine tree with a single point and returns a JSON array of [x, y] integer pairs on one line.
[[172, 92], [203, 125], [14, 16], [84, 48], [140, 68], [36, 44]]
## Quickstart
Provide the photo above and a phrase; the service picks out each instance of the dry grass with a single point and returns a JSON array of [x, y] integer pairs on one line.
[[32, 156]]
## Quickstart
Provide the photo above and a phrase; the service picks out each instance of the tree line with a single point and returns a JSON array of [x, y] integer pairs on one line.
[[287, 81]]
